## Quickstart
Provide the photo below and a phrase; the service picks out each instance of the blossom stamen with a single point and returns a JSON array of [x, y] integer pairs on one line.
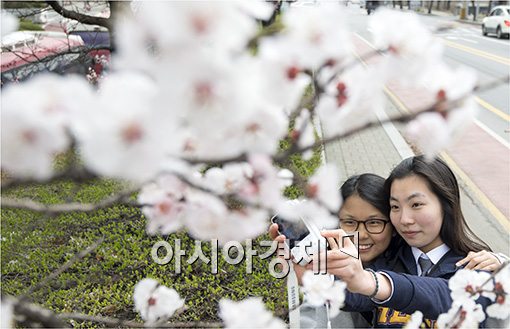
[[132, 133]]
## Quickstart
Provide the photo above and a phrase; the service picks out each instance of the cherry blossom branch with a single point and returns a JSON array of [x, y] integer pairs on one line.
[[33, 314], [82, 175], [354, 62], [120, 198], [78, 175], [114, 322], [445, 106], [478, 290], [493, 275]]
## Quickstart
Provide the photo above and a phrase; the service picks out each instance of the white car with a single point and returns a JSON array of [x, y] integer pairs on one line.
[[498, 22]]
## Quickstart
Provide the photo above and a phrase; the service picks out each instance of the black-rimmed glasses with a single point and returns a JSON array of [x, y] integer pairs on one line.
[[372, 225]]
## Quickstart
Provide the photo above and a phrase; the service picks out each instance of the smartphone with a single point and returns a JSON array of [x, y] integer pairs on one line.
[[303, 238], [294, 231]]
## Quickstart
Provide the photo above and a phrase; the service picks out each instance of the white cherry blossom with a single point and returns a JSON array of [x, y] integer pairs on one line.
[[415, 321], [321, 289], [248, 313], [228, 179], [351, 100], [126, 135], [35, 121], [7, 314], [313, 36], [402, 33], [463, 315], [208, 218], [323, 187], [155, 302], [263, 185], [430, 133], [164, 204], [30, 141], [500, 309], [465, 284]]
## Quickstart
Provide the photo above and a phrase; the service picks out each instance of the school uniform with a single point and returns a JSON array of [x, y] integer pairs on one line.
[[429, 294]]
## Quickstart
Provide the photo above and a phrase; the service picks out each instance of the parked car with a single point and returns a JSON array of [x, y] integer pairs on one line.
[[498, 22]]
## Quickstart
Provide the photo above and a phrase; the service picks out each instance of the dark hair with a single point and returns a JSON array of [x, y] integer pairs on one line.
[[442, 182], [370, 188]]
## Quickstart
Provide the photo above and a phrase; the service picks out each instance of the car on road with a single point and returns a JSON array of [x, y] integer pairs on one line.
[[498, 22]]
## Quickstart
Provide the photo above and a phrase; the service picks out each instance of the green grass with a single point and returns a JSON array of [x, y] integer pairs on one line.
[[26, 25], [34, 245]]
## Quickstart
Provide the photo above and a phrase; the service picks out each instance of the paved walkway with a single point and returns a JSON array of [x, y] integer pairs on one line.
[[378, 150]]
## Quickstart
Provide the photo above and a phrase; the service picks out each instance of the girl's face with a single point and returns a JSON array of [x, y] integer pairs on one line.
[[416, 212], [370, 245]]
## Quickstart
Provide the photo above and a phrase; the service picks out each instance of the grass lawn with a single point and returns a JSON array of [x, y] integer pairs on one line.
[[34, 245]]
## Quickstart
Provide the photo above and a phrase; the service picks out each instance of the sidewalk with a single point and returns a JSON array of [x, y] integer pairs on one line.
[[441, 13], [379, 150]]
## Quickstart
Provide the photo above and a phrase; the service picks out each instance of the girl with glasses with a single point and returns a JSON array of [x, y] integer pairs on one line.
[[364, 209], [425, 210]]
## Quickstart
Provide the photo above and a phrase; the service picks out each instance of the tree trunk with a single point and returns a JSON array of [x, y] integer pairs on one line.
[[448, 3], [430, 7], [409, 4], [393, 2], [490, 8], [474, 10], [401, 4]]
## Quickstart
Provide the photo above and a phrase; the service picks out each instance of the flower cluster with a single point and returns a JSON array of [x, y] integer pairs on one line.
[[467, 287], [155, 302], [249, 313], [322, 289], [186, 89]]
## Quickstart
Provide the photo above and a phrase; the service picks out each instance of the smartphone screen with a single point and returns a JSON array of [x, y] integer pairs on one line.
[[294, 231]]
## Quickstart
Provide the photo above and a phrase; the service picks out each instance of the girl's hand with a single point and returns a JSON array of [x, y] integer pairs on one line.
[[341, 261], [273, 234], [482, 260]]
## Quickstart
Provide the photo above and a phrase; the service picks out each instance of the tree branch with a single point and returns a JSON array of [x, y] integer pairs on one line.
[[114, 322], [33, 314], [82, 18], [79, 175], [28, 204]]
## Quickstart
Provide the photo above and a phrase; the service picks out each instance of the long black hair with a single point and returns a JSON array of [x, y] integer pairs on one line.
[[442, 182]]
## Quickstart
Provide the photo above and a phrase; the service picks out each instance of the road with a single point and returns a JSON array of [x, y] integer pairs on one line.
[[481, 157]]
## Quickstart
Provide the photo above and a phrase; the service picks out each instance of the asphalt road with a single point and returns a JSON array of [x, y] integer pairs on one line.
[[465, 45], [490, 58]]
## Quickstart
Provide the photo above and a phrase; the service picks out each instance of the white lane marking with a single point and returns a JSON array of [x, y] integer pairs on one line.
[[492, 133], [468, 40]]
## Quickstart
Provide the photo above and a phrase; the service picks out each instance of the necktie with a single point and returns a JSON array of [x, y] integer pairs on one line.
[[425, 264]]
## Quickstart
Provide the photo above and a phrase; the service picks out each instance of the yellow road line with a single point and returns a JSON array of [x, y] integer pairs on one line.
[[492, 109], [477, 52], [501, 218], [396, 101]]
